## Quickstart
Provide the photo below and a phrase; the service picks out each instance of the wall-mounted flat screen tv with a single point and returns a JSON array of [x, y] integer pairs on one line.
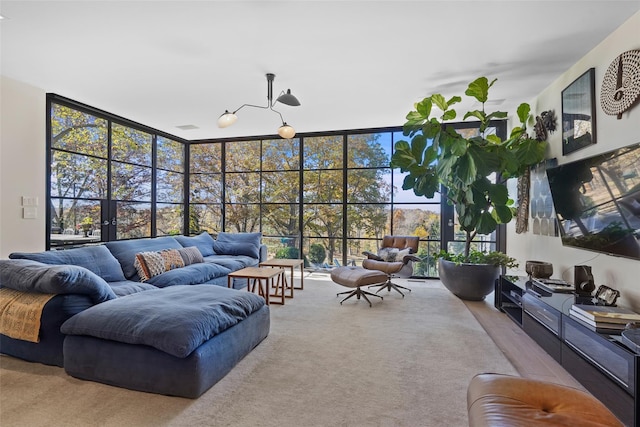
[[597, 202]]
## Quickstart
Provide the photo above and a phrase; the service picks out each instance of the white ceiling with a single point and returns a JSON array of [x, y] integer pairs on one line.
[[352, 64]]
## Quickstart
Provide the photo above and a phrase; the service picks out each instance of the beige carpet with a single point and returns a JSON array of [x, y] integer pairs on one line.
[[403, 362]]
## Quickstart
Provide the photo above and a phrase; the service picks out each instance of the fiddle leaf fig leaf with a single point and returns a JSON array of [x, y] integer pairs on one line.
[[458, 147], [479, 89], [499, 194], [524, 110], [430, 155], [494, 139], [449, 115], [480, 115], [503, 214], [466, 169], [424, 107], [440, 102], [486, 223], [454, 100], [431, 129], [426, 185], [418, 143], [402, 145]]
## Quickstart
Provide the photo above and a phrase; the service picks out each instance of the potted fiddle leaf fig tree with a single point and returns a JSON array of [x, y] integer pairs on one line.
[[436, 157]]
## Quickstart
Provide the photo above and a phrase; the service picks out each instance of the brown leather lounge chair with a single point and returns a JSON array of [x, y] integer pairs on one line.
[[394, 258]]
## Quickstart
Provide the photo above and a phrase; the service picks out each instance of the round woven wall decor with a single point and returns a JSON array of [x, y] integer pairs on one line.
[[621, 84]]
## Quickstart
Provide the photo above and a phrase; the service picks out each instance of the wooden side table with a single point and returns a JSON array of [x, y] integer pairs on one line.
[[256, 276], [290, 264]]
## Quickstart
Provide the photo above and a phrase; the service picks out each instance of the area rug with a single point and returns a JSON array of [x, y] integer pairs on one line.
[[403, 362]]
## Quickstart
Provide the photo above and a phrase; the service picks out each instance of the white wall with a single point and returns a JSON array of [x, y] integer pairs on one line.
[[22, 165], [620, 273]]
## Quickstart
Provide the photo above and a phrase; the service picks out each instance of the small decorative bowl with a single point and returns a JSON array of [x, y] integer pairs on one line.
[[539, 269]]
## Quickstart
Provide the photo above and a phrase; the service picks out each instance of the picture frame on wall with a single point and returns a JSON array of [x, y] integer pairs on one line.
[[579, 113]]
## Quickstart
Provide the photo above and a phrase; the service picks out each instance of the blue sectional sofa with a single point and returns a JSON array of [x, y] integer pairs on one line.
[[110, 273]]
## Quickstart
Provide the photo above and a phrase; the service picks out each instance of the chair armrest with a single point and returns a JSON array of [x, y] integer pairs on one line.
[[407, 258], [371, 255]]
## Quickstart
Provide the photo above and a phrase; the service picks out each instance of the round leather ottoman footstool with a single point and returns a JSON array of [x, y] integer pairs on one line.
[[503, 400]]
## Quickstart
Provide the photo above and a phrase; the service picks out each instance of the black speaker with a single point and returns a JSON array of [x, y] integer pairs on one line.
[[583, 280]]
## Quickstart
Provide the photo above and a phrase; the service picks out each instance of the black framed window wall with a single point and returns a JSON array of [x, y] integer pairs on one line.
[[328, 196], [325, 196], [110, 178]]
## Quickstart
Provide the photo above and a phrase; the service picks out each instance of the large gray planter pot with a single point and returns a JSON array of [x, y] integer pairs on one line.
[[471, 282]]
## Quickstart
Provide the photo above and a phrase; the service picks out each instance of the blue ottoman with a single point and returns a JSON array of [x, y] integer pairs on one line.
[[178, 341]]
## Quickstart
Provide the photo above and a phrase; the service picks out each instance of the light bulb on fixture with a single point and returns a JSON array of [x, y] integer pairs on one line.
[[227, 119], [285, 131]]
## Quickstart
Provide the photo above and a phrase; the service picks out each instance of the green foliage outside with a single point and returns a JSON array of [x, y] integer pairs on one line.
[[317, 254], [288, 253]]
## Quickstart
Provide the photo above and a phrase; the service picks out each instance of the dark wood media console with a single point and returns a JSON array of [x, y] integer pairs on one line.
[[600, 362]]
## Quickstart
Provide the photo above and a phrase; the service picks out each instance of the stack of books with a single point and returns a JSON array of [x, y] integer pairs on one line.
[[603, 319]]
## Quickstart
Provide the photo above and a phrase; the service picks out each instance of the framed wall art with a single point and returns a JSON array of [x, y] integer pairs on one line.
[[579, 113]]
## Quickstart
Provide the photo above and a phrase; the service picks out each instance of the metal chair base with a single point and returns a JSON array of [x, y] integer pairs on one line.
[[358, 293], [390, 285]]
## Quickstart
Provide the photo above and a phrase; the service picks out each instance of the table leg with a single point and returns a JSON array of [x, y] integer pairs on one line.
[[292, 282], [279, 284], [301, 276]]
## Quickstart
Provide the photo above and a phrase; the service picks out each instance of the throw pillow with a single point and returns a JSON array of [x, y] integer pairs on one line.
[[252, 238], [401, 254], [150, 264], [236, 248], [191, 255], [172, 259], [203, 241], [97, 259]]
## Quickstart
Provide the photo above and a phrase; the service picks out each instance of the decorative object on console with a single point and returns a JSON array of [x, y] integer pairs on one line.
[[606, 295], [285, 131], [579, 113], [539, 269], [583, 280], [621, 84], [603, 319]]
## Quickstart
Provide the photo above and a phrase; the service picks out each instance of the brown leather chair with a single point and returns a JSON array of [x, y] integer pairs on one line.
[[394, 258], [505, 400]]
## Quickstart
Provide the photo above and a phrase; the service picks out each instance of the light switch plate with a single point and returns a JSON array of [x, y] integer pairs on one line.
[[29, 212], [29, 201]]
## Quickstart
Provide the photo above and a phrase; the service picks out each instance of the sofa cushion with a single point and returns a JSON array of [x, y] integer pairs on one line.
[[193, 274], [98, 259], [127, 287], [125, 251], [233, 262], [253, 238], [33, 276], [191, 314], [236, 248], [203, 241], [191, 255]]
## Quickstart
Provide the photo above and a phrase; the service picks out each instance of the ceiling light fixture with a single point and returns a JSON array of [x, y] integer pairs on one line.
[[285, 131]]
